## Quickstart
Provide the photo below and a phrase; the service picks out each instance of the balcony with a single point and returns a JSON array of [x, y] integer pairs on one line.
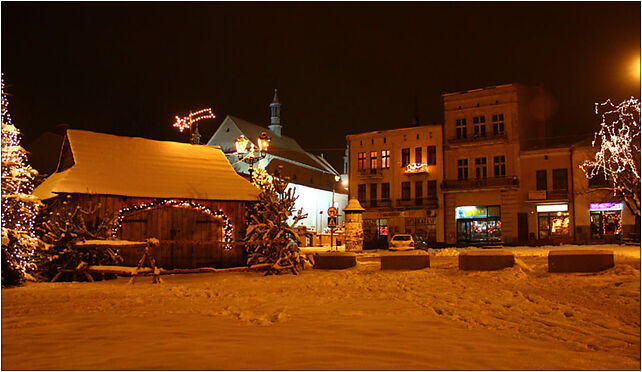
[[370, 173], [378, 203], [548, 195], [477, 139], [417, 203], [477, 183]]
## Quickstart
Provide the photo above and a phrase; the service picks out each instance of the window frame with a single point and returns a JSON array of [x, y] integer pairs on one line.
[[385, 159], [499, 166]]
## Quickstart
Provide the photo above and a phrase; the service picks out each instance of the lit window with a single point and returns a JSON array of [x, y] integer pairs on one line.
[[385, 159], [362, 160], [373, 160]]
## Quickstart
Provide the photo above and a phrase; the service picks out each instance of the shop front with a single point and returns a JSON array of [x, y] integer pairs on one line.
[[375, 233], [553, 221], [478, 224], [606, 220]]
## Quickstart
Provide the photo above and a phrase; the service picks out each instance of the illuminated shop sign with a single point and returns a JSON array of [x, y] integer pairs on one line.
[[416, 168], [552, 208], [605, 206], [471, 212]]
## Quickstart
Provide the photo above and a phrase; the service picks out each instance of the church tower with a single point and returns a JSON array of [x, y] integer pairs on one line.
[[275, 118]]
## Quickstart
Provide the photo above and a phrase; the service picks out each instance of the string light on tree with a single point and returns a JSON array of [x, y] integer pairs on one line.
[[191, 121], [228, 228], [618, 155], [19, 207]]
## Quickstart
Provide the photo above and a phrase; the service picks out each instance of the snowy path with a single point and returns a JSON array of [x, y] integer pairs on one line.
[[361, 318]]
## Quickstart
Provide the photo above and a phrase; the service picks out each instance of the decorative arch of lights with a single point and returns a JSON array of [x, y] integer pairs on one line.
[[228, 229]]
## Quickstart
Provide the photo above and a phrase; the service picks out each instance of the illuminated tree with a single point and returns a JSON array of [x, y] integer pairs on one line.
[[19, 207], [269, 238], [618, 156]]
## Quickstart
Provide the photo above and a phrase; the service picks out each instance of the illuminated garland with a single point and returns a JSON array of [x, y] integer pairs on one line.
[[193, 117], [228, 229], [416, 168]]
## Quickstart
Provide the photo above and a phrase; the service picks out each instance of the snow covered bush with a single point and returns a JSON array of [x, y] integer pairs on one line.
[[63, 224], [19, 208], [269, 238]]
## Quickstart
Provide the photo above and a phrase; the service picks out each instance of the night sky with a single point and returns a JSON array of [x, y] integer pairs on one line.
[[341, 68]]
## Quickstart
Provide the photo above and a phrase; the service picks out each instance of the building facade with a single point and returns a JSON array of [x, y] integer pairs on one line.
[[599, 215], [395, 174], [484, 131]]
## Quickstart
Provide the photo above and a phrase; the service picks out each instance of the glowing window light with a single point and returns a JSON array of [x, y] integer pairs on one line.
[[552, 208]]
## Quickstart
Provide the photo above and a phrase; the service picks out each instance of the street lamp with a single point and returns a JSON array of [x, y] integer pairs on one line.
[[251, 155]]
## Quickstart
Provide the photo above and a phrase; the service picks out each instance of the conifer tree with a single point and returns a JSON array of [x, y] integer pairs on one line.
[[270, 238], [19, 207]]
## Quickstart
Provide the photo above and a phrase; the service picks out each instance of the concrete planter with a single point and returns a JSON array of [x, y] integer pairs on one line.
[[579, 261], [334, 260], [414, 260], [485, 260]]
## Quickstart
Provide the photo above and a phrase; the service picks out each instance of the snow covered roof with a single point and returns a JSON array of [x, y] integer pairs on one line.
[[281, 146], [140, 167]]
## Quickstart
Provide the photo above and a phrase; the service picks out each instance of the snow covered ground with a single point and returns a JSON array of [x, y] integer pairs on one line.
[[359, 318]]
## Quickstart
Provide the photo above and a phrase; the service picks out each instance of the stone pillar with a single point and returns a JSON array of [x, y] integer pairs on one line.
[[354, 226]]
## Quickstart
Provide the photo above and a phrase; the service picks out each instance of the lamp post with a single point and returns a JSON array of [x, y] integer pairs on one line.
[[251, 155]]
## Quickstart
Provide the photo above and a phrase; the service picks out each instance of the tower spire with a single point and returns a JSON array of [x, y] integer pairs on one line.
[[275, 117]]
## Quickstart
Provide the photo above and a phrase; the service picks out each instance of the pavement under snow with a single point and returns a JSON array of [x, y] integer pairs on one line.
[[359, 318]]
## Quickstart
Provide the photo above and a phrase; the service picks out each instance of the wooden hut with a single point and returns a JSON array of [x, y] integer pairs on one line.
[[187, 196]]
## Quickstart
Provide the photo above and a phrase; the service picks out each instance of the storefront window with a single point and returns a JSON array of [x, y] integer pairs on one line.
[[478, 223], [606, 219], [553, 224]]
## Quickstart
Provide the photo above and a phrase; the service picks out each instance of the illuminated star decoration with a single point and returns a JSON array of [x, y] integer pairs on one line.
[[228, 229], [193, 117]]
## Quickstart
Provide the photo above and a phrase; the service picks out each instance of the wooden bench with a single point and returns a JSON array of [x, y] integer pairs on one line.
[[412, 260], [484, 260], [579, 260], [334, 260]]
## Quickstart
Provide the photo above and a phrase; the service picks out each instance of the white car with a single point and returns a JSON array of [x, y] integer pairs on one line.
[[402, 242]]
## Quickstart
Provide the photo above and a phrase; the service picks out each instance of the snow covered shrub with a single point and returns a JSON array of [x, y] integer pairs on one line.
[[269, 238], [62, 225]]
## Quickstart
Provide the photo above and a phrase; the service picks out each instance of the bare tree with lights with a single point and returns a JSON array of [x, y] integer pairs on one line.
[[618, 157], [19, 207], [269, 238]]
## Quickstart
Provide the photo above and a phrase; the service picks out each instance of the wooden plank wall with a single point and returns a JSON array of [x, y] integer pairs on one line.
[[171, 254]]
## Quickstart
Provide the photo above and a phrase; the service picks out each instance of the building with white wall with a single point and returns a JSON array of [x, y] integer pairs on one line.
[[312, 176]]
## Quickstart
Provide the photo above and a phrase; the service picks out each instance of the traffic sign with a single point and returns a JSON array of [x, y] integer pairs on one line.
[[332, 211], [332, 222]]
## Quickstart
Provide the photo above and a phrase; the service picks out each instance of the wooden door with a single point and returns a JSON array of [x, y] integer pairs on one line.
[[171, 223]]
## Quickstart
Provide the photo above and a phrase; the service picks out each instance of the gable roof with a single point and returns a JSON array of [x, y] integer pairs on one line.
[[281, 146], [140, 167]]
